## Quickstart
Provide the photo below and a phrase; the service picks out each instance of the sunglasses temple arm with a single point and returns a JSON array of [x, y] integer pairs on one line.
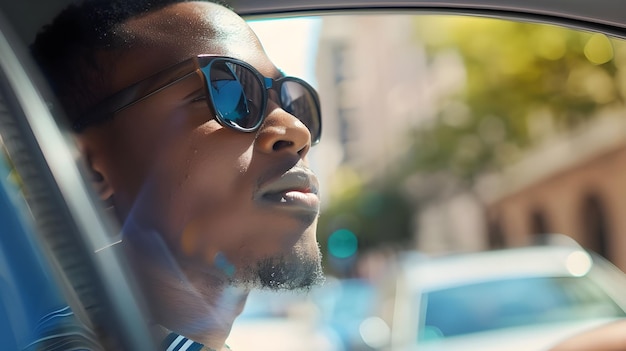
[[97, 115]]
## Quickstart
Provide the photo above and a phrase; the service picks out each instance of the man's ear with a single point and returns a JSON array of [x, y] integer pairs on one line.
[[100, 184], [96, 174]]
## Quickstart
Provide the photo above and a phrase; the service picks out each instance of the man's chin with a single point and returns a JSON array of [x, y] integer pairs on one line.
[[295, 271]]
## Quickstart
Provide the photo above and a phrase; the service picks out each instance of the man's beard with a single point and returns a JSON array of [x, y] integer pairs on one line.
[[295, 271]]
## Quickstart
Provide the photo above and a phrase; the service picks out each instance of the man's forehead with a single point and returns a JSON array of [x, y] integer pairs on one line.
[[194, 28], [189, 22]]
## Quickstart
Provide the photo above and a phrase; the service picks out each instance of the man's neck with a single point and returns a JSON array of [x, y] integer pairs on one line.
[[206, 324], [197, 304], [198, 312]]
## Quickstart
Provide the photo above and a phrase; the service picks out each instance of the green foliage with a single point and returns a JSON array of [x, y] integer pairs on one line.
[[523, 82], [520, 84], [374, 216]]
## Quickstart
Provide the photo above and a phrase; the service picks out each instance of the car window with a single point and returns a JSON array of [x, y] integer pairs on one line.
[[442, 134], [463, 103], [30, 320], [480, 307], [52, 282], [447, 134]]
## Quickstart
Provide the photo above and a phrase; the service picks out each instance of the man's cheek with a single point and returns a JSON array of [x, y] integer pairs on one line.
[[213, 238]]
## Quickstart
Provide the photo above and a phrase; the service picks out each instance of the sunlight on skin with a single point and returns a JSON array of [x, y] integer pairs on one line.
[[188, 240], [190, 244]]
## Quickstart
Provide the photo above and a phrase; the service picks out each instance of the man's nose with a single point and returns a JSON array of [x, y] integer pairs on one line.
[[283, 132]]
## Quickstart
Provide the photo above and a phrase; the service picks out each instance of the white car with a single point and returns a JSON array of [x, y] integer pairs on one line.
[[515, 299], [280, 321]]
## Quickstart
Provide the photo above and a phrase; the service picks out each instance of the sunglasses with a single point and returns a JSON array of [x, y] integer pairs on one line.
[[235, 91]]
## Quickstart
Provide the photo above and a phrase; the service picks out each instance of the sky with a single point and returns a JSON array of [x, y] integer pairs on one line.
[[291, 44]]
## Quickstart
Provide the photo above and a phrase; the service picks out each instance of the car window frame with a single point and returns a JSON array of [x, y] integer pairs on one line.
[[66, 214]]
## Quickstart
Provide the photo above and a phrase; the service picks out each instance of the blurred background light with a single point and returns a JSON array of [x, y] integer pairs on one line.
[[342, 243], [375, 332], [578, 263], [599, 49]]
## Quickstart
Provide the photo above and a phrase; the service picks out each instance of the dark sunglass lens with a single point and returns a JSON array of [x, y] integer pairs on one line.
[[236, 93], [299, 101]]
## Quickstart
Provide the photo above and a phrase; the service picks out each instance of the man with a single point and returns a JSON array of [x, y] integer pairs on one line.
[[201, 163]]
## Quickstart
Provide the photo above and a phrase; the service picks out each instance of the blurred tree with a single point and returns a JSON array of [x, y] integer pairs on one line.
[[521, 84], [524, 82], [361, 217]]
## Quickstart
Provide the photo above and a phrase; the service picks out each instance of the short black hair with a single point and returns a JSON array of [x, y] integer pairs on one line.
[[66, 50]]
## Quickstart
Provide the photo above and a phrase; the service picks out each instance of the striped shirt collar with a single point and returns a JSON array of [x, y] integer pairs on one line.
[[175, 342]]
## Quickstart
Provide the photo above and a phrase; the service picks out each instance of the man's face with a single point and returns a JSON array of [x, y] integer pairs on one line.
[[179, 178]]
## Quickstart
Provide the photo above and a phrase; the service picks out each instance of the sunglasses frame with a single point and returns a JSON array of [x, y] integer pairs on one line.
[[201, 65]]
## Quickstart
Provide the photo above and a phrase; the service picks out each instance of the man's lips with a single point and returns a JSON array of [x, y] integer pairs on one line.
[[295, 189]]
